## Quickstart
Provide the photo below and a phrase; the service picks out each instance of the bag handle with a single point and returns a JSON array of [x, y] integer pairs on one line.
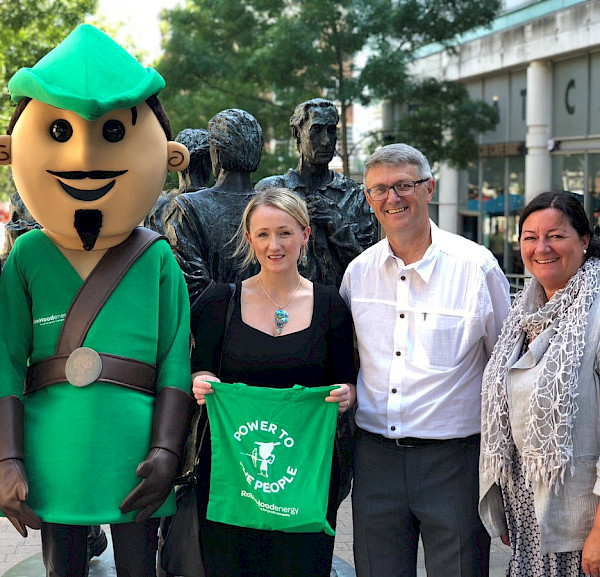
[[190, 475], [228, 314]]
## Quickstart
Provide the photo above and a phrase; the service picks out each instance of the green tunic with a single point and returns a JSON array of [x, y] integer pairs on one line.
[[82, 445]]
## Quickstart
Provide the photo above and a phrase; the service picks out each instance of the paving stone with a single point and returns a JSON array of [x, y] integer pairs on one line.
[[21, 557]]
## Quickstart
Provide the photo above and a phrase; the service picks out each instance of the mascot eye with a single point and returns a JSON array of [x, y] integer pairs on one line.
[[61, 130], [113, 130]]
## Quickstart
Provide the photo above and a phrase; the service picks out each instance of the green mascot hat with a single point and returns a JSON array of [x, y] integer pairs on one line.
[[88, 73]]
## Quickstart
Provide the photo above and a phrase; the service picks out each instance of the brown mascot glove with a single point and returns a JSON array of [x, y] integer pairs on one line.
[[158, 470], [14, 487]]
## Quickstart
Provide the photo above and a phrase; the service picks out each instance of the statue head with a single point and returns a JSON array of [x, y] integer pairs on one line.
[[314, 128], [236, 141], [89, 142], [197, 174]]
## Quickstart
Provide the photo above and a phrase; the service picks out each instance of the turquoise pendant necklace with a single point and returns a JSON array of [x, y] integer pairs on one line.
[[281, 315]]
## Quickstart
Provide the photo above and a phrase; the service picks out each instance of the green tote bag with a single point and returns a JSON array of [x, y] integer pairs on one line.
[[271, 456]]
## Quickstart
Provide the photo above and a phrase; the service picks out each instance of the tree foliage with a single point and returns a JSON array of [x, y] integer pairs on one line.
[[440, 120], [266, 56], [28, 30]]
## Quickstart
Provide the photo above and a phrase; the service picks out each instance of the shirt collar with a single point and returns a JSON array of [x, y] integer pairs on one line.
[[424, 267]]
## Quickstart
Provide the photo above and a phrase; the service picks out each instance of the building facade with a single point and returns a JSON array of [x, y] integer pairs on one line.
[[539, 65]]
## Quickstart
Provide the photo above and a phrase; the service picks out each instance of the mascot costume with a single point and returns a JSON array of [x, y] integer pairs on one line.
[[94, 315]]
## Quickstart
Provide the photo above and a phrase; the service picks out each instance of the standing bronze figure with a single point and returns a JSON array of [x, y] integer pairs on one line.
[[200, 225], [343, 225]]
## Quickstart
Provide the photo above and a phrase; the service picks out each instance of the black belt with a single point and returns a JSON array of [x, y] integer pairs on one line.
[[411, 442]]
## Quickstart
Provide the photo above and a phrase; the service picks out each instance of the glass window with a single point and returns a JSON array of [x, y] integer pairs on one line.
[[502, 198], [516, 188], [469, 189], [434, 212], [469, 227], [493, 188], [594, 190], [435, 199], [568, 173], [468, 201]]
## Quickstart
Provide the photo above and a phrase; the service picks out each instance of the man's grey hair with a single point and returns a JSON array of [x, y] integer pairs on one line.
[[398, 154]]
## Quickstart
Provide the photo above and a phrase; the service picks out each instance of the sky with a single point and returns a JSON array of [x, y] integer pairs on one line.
[[140, 22]]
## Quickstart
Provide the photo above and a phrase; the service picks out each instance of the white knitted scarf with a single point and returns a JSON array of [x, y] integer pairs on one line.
[[548, 445]]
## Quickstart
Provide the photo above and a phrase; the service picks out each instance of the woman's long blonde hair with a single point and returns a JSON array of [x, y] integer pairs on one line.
[[276, 197]]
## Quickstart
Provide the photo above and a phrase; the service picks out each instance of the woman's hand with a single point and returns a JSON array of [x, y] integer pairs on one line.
[[505, 539], [590, 558], [201, 387], [345, 395]]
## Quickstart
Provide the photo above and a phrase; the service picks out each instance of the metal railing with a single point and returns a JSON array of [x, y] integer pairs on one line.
[[516, 282]]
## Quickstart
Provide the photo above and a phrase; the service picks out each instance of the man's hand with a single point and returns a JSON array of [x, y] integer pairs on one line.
[[14, 490], [158, 470], [157, 473], [14, 487]]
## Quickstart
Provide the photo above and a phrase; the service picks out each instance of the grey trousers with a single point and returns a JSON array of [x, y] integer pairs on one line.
[[65, 549], [400, 493]]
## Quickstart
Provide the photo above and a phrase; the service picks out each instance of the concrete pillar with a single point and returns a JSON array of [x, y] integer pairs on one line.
[[538, 162], [448, 198]]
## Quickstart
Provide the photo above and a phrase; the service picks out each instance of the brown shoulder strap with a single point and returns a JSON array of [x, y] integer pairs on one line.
[[99, 285]]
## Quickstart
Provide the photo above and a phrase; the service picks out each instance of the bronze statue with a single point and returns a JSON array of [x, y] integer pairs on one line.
[[197, 174], [201, 224], [342, 223], [19, 222], [194, 177]]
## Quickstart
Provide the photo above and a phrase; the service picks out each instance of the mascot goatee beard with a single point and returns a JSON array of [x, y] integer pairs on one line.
[[88, 224]]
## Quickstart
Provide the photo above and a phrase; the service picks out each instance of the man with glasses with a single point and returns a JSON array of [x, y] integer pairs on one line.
[[427, 306]]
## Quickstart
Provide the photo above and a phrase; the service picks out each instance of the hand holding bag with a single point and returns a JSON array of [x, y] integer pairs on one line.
[[271, 457]]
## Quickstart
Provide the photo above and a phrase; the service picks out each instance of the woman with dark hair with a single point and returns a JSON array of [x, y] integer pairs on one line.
[[540, 438]]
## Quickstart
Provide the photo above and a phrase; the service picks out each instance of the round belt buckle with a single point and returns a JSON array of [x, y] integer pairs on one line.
[[83, 367]]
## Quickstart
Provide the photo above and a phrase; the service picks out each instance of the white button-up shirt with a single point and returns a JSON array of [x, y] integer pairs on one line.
[[425, 332]]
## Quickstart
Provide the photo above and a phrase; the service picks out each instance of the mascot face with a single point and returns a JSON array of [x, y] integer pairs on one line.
[[88, 154], [97, 178]]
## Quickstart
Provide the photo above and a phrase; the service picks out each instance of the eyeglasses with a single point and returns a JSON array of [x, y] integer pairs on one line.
[[402, 188]]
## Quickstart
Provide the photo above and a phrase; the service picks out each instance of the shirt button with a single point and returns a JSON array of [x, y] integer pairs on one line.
[[393, 428], [393, 390], [398, 353], [402, 277], [401, 315]]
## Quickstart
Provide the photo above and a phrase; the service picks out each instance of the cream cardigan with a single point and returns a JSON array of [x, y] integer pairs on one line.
[[565, 517]]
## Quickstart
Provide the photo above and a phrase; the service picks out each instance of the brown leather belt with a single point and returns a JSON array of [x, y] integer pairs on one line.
[[117, 370], [81, 366]]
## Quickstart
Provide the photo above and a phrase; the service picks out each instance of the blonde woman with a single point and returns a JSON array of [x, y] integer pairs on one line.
[[283, 330]]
